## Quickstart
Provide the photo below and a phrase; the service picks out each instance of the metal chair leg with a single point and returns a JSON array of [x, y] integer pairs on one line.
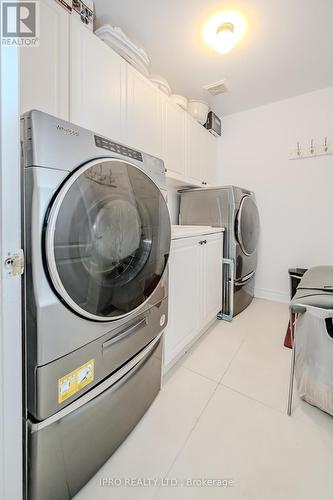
[[292, 367]]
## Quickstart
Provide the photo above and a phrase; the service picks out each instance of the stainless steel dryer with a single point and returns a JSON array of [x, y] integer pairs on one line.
[[235, 209], [97, 240]]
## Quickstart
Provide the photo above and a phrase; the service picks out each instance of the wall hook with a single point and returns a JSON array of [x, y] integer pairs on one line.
[[311, 147], [325, 145]]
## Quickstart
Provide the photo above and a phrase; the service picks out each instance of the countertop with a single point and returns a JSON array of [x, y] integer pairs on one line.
[[188, 231]]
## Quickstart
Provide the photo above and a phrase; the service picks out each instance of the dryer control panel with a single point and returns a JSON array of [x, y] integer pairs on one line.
[[101, 142]]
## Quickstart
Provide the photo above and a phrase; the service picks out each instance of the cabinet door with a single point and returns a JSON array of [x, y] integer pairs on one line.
[[97, 86], [194, 145], [144, 114], [209, 158], [212, 278], [184, 296], [44, 69], [174, 138]]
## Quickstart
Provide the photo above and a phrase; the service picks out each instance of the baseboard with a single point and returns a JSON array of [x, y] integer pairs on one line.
[[275, 295]]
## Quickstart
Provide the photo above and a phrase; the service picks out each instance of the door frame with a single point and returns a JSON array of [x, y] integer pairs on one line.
[[11, 469]]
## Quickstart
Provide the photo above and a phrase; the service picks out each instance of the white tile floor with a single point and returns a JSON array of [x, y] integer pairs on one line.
[[221, 415]]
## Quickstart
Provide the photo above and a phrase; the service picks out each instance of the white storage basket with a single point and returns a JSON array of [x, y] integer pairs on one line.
[[314, 357]]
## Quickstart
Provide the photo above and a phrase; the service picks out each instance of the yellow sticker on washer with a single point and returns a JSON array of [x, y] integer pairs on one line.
[[75, 381]]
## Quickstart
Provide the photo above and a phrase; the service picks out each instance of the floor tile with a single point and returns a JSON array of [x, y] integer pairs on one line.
[[212, 355], [261, 366], [268, 455], [318, 420], [153, 445], [236, 429]]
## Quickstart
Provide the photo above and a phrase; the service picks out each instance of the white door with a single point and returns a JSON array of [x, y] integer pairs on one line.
[[97, 84], [212, 277], [10, 286], [184, 296], [44, 69], [174, 138], [144, 114], [194, 145]]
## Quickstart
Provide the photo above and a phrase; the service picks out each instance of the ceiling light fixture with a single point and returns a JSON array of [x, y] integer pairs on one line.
[[223, 31]]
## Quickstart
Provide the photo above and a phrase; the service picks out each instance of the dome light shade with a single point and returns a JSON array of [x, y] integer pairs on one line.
[[223, 31]]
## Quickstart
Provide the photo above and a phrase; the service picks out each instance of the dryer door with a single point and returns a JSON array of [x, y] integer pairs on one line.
[[107, 239], [247, 225]]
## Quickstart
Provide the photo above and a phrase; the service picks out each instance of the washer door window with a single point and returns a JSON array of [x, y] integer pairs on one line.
[[247, 225], [107, 239]]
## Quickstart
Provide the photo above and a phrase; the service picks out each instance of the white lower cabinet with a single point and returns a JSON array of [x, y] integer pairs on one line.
[[211, 297], [195, 291]]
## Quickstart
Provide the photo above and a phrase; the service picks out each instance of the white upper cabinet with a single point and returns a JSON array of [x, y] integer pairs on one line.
[[44, 69], [76, 76], [201, 164], [97, 84], [193, 157], [174, 138], [144, 114], [209, 158]]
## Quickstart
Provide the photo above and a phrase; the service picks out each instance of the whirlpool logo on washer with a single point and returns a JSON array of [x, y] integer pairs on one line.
[[68, 131]]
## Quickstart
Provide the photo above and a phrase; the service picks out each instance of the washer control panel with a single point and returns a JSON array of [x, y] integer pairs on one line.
[[101, 142]]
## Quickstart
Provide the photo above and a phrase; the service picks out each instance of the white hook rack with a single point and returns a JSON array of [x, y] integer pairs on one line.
[[311, 149]]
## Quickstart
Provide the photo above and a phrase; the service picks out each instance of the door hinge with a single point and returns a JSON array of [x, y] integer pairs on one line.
[[14, 263]]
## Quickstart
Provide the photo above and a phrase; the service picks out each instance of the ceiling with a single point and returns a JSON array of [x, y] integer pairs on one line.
[[286, 51]]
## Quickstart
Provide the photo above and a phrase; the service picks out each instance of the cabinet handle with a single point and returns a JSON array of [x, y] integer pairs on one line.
[[204, 241]]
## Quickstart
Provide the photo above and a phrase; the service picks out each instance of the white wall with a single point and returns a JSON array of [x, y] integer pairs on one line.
[[295, 198]]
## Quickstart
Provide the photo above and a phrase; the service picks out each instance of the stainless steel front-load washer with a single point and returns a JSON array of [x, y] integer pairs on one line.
[[97, 240]]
